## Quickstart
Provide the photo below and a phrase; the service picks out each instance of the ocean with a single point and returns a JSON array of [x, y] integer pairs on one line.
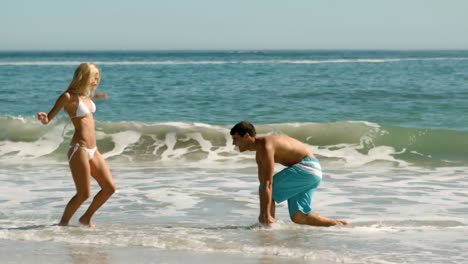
[[389, 127]]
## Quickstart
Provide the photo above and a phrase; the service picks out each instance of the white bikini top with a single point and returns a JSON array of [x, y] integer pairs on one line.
[[82, 109]]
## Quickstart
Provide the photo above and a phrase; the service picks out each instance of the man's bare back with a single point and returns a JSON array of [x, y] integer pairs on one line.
[[287, 151]]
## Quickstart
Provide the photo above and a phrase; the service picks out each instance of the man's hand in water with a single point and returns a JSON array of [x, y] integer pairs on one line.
[[266, 219]]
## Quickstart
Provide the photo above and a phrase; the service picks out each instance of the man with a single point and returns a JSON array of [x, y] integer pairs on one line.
[[296, 183]]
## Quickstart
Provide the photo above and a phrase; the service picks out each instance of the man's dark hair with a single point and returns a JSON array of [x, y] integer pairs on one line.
[[242, 128]]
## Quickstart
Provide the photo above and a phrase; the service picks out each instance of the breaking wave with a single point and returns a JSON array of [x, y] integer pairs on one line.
[[351, 143]]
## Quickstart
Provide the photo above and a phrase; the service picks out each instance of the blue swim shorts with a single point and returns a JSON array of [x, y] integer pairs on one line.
[[297, 184]]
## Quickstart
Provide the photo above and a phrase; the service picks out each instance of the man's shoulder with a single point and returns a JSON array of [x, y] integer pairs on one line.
[[265, 142], [276, 138]]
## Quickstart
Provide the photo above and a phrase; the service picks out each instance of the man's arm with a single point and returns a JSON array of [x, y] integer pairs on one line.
[[266, 166]]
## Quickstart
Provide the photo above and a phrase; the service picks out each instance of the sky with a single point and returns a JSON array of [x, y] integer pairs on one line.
[[233, 25]]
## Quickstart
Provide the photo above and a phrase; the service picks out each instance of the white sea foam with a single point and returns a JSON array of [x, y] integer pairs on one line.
[[352, 157], [346, 144], [195, 208], [46, 144], [121, 141], [210, 204]]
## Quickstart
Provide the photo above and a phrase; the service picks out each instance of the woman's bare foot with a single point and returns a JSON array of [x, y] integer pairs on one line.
[[86, 222], [62, 224]]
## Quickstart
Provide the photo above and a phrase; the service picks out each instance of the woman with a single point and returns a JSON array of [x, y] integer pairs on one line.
[[83, 157]]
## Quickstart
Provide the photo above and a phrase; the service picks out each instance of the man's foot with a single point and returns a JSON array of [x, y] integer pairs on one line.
[[341, 222], [86, 222]]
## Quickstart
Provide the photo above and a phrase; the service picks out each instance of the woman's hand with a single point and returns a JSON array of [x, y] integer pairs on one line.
[[43, 118], [100, 95]]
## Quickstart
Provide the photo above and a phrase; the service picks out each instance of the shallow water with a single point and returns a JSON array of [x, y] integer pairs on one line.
[[420, 216]]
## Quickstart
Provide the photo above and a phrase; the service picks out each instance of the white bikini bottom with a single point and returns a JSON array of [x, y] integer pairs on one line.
[[89, 152]]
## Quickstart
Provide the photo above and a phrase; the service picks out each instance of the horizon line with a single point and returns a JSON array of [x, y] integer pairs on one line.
[[224, 50]]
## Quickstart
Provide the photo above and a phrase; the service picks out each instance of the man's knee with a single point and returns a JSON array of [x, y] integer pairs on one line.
[[299, 218]]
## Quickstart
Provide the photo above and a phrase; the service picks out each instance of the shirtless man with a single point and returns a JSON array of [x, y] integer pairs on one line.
[[296, 183]]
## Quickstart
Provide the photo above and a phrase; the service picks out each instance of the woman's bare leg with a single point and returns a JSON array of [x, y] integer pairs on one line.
[[101, 173], [81, 173]]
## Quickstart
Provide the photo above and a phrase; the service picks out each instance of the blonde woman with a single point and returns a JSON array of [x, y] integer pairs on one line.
[[83, 156]]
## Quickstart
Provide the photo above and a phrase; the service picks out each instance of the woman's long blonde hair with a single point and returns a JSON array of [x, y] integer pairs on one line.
[[82, 79]]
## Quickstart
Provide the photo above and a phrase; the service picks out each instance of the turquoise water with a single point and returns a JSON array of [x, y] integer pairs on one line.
[[410, 89], [389, 128], [416, 98]]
